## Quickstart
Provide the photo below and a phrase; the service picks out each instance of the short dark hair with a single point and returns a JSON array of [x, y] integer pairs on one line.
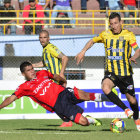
[[23, 65], [114, 15]]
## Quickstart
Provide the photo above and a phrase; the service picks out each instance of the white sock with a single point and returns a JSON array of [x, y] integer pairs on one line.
[[101, 97], [91, 121], [98, 97]]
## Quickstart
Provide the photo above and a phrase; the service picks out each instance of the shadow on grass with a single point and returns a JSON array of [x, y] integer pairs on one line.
[[41, 129], [105, 130], [53, 125], [130, 130]]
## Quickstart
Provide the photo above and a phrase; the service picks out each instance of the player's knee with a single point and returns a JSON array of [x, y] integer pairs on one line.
[[106, 89]]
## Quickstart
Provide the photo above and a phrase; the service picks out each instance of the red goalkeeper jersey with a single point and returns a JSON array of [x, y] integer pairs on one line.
[[41, 89]]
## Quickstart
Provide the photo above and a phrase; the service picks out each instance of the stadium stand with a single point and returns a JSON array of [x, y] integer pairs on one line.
[[80, 29]]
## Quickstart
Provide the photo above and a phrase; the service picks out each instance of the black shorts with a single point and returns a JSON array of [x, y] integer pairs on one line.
[[65, 106], [124, 83]]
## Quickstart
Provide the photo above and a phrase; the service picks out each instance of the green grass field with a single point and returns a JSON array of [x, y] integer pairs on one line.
[[49, 130]]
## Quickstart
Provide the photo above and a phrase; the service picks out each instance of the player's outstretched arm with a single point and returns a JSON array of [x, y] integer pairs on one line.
[[8, 101], [80, 56], [135, 56], [59, 79]]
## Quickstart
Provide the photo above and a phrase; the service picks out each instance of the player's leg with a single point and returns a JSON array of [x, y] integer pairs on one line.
[[86, 96], [66, 121], [129, 91], [85, 121], [107, 85], [80, 119], [66, 107], [74, 113], [134, 106]]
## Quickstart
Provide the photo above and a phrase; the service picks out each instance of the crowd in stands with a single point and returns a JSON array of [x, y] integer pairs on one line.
[[56, 5], [7, 6]]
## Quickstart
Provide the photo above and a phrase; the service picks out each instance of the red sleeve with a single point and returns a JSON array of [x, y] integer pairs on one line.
[[19, 92], [45, 73]]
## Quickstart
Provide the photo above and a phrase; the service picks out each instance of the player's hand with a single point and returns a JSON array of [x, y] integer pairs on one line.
[[62, 75], [64, 85], [79, 57], [133, 60]]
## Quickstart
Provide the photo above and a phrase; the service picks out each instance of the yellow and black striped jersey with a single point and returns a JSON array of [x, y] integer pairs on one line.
[[118, 49], [51, 60]]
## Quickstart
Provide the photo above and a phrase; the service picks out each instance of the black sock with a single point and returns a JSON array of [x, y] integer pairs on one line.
[[116, 100], [135, 109]]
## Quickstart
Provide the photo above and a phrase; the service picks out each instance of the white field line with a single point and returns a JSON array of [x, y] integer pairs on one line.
[[41, 133], [5, 132]]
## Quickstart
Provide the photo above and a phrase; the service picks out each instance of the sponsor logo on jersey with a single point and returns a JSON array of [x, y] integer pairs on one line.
[[115, 57], [41, 85], [115, 50]]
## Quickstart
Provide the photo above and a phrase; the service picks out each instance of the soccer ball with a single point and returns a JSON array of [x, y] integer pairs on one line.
[[117, 125]]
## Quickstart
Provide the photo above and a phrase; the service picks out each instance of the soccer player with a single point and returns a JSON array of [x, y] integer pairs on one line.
[[118, 45], [54, 60], [53, 97]]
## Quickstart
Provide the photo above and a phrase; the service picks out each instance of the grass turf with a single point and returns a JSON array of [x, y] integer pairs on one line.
[[50, 130]]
